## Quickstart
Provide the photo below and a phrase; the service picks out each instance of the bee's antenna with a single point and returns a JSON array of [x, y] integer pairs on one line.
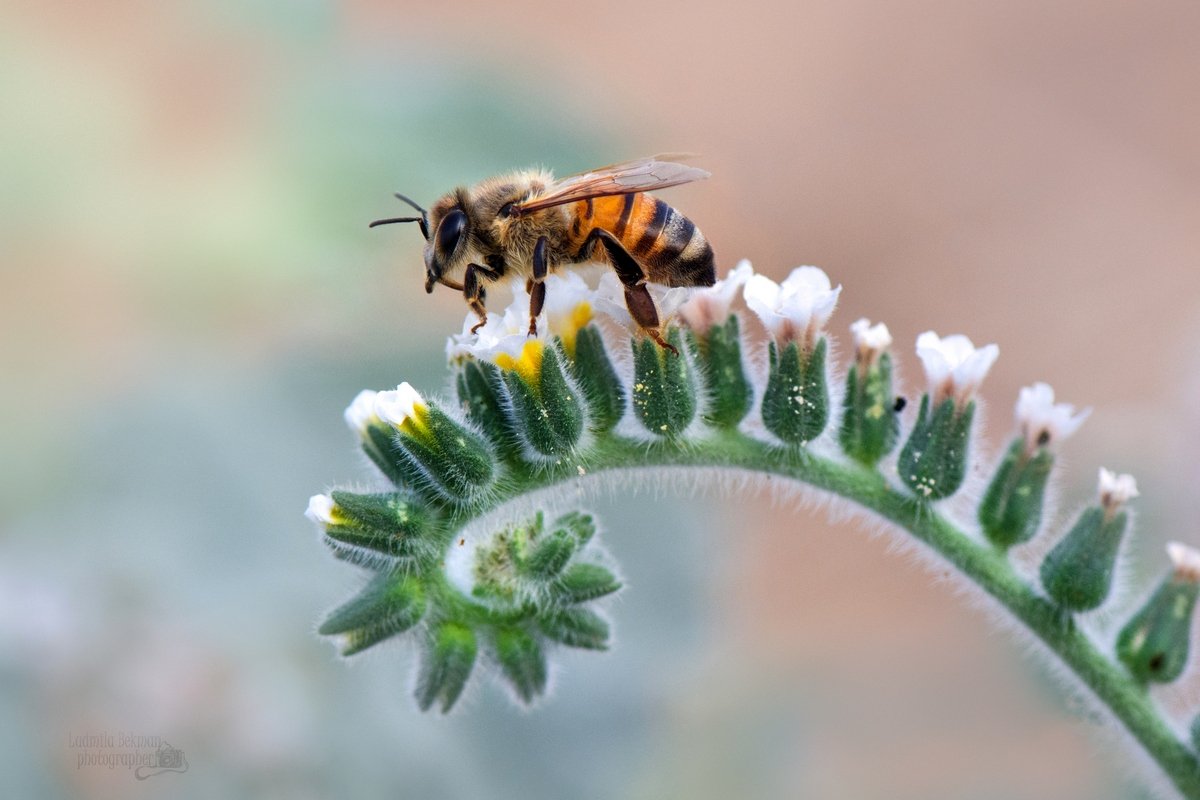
[[422, 220], [404, 199], [394, 220]]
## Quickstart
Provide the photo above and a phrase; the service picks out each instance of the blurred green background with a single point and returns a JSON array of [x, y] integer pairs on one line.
[[191, 297]]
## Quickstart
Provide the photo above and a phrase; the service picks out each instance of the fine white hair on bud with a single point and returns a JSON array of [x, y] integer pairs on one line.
[[321, 510], [954, 367], [711, 305], [797, 309], [1185, 560], [610, 299], [399, 405], [870, 341], [361, 411], [1043, 422], [1115, 490]]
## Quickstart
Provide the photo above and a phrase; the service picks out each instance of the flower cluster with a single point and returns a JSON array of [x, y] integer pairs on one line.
[[587, 393]]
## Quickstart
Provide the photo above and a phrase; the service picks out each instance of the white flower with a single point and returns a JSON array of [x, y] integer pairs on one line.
[[568, 305], [710, 305], [361, 412], [953, 367], [870, 340], [321, 510], [1115, 490], [1185, 559], [610, 299], [402, 405], [795, 310], [1041, 420], [502, 333]]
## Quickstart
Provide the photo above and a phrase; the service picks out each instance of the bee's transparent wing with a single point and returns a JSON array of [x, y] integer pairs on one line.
[[643, 175]]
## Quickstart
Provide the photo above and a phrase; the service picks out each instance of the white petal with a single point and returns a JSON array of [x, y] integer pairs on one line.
[[970, 373], [953, 366], [320, 509], [796, 309], [361, 411], [610, 301], [933, 358], [711, 304], [1185, 559], [875, 338], [762, 296], [1036, 412], [1119, 488], [399, 404]]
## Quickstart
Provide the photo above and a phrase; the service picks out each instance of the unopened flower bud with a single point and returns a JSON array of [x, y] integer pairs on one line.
[[522, 661], [1078, 572], [442, 454], [446, 664], [664, 386], [870, 423], [1154, 644], [389, 605]]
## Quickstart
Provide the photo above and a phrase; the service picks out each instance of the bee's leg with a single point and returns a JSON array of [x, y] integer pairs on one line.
[[474, 293], [637, 296], [535, 285]]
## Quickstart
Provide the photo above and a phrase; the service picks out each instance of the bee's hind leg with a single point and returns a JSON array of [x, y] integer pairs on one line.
[[535, 285], [637, 296]]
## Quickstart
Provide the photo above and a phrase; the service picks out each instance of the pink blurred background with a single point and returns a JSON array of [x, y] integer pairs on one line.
[[192, 296]]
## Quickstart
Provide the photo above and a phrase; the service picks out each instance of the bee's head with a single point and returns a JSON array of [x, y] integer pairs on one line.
[[447, 250], [446, 230]]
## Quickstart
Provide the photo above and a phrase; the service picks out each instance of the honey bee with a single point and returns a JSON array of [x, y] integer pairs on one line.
[[529, 224]]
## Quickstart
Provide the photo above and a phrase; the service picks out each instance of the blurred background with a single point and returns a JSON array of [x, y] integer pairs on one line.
[[191, 297]]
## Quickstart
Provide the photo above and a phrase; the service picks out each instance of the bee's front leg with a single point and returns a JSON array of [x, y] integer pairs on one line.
[[475, 294], [535, 285]]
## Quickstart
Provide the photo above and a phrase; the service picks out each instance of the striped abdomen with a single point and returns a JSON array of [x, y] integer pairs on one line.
[[667, 244]]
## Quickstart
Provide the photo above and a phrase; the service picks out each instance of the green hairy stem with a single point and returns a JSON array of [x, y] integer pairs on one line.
[[984, 566]]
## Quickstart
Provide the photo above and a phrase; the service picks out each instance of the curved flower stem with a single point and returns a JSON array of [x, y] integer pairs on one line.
[[1128, 701]]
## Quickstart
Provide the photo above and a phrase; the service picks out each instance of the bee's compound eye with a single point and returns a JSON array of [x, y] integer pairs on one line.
[[450, 231]]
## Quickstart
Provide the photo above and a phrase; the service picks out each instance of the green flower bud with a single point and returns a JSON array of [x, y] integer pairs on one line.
[[598, 379], [1154, 644], [481, 394], [576, 627], [720, 359], [392, 524], [522, 661], [664, 388], [390, 604], [578, 524], [549, 556], [443, 456], [446, 664], [1078, 572], [582, 582], [377, 437], [870, 423], [547, 410], [1011, 510], [933, 462], [795, 404]]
